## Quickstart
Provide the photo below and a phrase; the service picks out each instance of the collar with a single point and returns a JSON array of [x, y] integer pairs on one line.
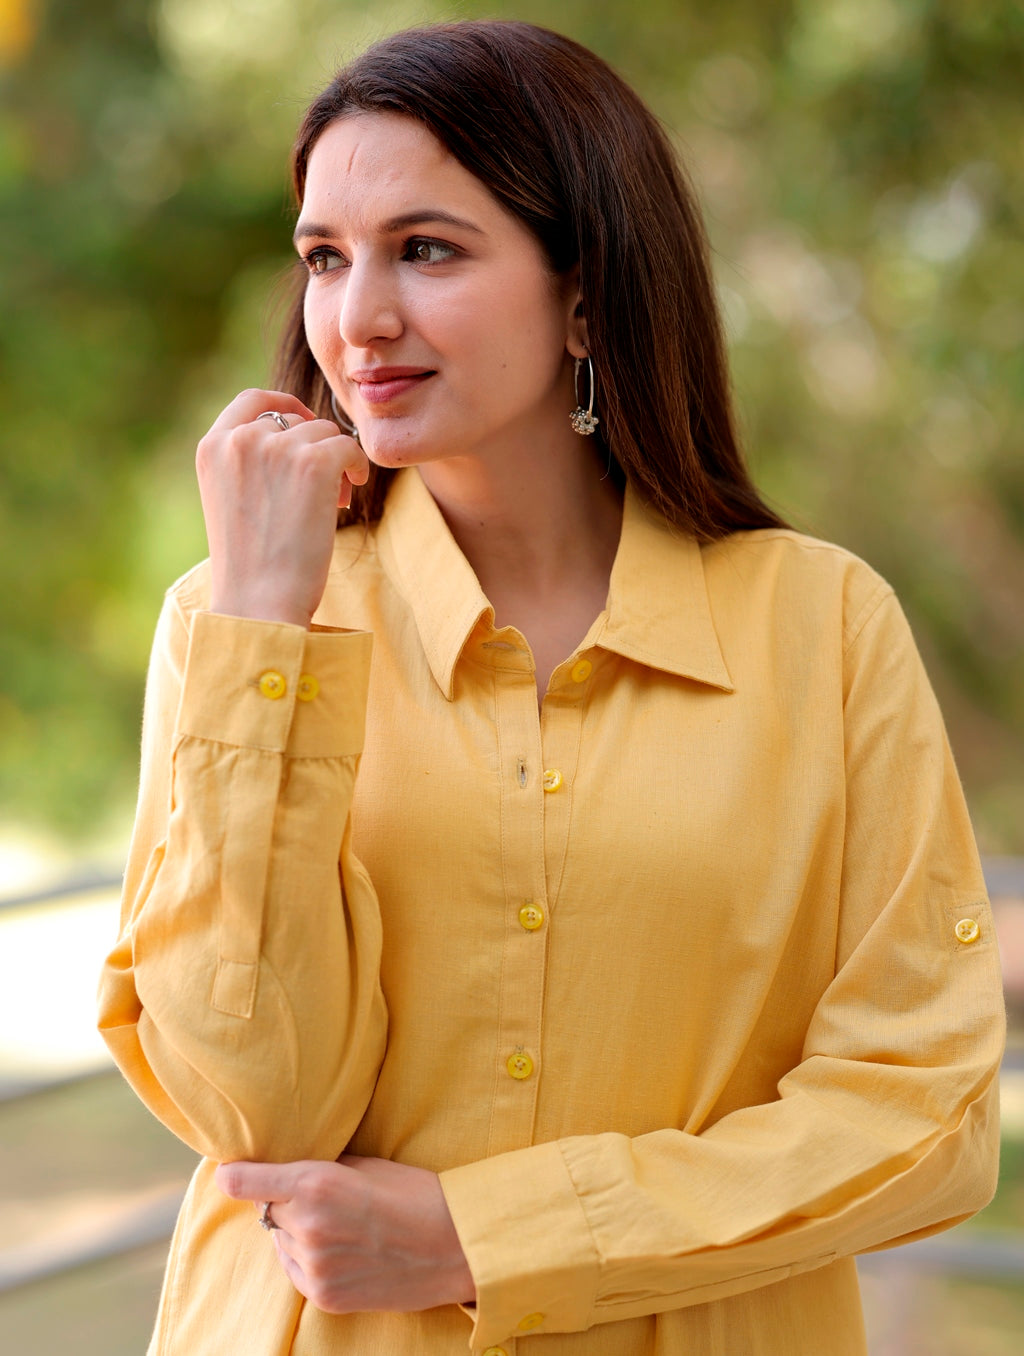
[[658, 612], [658, 609], [435, 578]]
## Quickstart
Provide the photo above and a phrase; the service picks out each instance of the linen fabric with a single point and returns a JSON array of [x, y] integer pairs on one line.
[[686, 984]]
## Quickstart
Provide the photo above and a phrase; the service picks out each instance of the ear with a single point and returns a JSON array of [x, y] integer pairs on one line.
[[576, 332]]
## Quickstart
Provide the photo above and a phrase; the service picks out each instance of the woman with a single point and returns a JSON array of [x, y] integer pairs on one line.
[[632, 1015]]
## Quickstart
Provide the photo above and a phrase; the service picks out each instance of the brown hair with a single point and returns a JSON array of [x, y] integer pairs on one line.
[[567, 147]]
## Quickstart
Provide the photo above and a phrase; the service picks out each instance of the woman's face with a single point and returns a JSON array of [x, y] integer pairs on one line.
[[430, 309]]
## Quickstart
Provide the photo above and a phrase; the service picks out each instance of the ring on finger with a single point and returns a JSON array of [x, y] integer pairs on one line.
[[278, 418], [266, 1222]]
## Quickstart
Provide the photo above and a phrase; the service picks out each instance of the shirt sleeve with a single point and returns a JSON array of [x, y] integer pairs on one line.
[[887, 1129], [242, 1000]]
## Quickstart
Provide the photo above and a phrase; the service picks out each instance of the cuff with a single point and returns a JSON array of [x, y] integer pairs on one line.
[[276, 687], [527, 1242]]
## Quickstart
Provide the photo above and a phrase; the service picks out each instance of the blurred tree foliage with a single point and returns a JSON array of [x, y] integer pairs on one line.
[[860, 161]]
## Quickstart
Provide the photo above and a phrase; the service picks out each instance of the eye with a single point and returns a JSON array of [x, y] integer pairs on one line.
[[322, 260], [421, 251]]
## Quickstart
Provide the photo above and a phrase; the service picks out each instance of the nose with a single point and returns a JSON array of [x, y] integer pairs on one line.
[[370, 309]]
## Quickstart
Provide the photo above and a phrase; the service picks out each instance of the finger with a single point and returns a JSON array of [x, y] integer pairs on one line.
[[257, 1181], [290, 1267], [352, 465], [359, 471], [248, 405], [316, 432], [279, 1214], [281, 421]]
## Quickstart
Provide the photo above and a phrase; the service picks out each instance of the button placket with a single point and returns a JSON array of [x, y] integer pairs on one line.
[[537, 765], [561, 731], [518, 1049]]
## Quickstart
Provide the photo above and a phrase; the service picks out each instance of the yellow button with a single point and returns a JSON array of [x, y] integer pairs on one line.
[[552, 779], [967, 930], [530, 1321], [582, 670], [531, 917], [495, 1351], [272, 684], [308, 688], [519, 1065]]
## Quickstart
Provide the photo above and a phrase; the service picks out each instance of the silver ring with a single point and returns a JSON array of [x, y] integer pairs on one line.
[[265, 1220], [279, 419]]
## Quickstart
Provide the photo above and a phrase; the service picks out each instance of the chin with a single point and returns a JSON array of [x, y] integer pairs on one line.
[[394, 451], [394, 458]]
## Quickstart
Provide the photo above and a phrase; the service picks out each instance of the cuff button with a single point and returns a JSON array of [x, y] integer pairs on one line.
[[272, 685]]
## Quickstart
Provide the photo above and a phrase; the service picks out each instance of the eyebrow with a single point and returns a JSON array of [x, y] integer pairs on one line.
[[419, 216]]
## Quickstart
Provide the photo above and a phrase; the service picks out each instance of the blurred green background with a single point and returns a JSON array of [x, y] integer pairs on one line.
[[860, 162]]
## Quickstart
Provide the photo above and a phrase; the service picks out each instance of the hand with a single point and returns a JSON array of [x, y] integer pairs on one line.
[[360, 1234], [271, 500]]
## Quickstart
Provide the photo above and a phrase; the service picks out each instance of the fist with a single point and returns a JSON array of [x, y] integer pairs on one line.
[[270, 499], [360, 1234]]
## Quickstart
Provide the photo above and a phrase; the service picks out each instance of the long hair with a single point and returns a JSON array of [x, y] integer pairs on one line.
[[567, 147]]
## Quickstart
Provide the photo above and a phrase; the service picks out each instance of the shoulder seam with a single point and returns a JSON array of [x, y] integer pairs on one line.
[[880, 594], [795, 538]]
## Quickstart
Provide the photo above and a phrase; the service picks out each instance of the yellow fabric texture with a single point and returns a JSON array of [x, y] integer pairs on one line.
[[682, 1028]]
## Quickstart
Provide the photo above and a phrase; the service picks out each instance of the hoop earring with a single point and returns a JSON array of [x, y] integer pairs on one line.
[[584, 421], [344, 423]]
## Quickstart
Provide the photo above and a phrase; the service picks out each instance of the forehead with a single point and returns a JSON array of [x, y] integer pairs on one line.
[[373, 163]]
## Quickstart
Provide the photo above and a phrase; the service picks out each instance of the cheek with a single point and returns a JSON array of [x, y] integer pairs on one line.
[[533, 341], [536, 311], [318, 326], [447, 318], [517, 325]]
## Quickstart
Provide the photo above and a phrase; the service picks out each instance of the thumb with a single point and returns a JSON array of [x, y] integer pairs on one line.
[[256, 1181]]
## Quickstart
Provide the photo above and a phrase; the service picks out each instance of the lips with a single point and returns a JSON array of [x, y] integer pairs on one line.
[[377, 385]]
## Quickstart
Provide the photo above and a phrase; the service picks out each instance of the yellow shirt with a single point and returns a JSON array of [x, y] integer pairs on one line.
[[687, 986]]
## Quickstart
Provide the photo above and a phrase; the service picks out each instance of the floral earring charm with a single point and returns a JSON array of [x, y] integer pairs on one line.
[[584, 421]]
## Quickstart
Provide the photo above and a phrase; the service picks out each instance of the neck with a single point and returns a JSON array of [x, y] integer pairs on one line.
[[532, 528]]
